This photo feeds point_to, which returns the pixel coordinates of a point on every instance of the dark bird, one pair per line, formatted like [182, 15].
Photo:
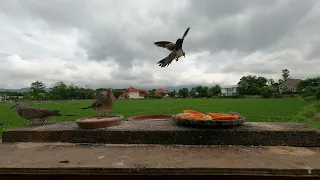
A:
[175, 48]
[103, 104]
[36, 114]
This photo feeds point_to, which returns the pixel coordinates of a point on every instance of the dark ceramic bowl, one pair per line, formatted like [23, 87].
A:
[150, 117]
[92, 122]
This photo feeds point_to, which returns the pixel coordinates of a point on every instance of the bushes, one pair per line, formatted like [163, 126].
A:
[309, 115]
[277, 95]
[310, 98]
[269, 91]
[311, 93]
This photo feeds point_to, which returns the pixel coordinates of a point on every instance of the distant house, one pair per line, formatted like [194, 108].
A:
[124, 95]
[146, 92]
[1, 98]
[229, 90]
[289, 85]
[131, 93]
[162, 91]
[141, 95]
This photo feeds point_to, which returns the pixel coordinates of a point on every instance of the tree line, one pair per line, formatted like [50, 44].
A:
[247, 85]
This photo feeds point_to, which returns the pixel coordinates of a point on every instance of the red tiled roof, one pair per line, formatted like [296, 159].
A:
[145, 91]
[124, 94]
[141, 95]
[132, 89]
[160, 91]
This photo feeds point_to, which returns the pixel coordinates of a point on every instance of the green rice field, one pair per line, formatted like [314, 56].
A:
[267, 110]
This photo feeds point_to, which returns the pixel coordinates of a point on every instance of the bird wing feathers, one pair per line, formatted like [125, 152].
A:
[34, 112]
[167, 60]
[185, 33]
[97, 103]
[165, 44]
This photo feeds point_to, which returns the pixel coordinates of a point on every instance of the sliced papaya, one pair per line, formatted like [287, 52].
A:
[185, 115]
[192, 111]
[196, 117]
[215, 114]
[225, 117]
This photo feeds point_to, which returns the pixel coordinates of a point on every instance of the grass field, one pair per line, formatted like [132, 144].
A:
[270, 110]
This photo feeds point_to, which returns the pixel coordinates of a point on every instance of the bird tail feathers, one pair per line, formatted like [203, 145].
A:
[162, 63]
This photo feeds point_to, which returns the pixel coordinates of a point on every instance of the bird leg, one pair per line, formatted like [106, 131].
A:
[35, 122]
[105, 114]
[99, 117]
[43, 120]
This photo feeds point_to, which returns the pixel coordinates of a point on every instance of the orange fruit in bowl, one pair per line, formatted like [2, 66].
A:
[192, 111]
[222, 116]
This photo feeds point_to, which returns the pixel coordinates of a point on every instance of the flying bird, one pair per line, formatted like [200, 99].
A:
[175, 48]
[103, 104]
[36, 114]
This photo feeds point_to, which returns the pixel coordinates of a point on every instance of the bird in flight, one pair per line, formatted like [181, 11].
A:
[175, 48]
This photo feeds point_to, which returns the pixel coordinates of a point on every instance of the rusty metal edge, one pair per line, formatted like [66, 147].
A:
[164, 171]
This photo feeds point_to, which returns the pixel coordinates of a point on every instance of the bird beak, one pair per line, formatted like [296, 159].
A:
[13, 106]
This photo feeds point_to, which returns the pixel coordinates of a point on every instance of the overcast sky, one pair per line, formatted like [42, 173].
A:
[109, 43]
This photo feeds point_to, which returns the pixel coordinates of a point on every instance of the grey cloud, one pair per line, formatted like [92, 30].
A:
[254, 68]
[271, 21]
[124, 31]
[264, 28]
[314, 53]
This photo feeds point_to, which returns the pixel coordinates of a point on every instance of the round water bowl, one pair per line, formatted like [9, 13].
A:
[150, 117]
[93, 122]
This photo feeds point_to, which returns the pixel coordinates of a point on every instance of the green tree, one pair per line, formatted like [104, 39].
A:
[251, 85]
[202, 91]
[214, 91]
[285, 74]
[37, 88]
[267, 91]
[59, 91]
[183, 92]
[193, 92]
[173, 93]
[118, 92]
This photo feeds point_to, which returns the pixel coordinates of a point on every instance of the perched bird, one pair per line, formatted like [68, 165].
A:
[36, 114]
[175, 48]
[103, 104]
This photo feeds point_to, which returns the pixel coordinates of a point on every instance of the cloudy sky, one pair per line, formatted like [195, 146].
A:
[109, 43]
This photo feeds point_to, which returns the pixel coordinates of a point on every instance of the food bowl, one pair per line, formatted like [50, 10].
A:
[210, 123]
[150, 117]
[93, 122]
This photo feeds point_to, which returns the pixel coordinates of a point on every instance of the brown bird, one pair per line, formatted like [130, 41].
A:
[36, 114]
[176, 49]
[103, 104]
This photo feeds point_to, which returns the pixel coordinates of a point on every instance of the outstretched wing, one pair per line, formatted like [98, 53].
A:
[179, 41]
[167, 60]
[165, 44]
[185, 33]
